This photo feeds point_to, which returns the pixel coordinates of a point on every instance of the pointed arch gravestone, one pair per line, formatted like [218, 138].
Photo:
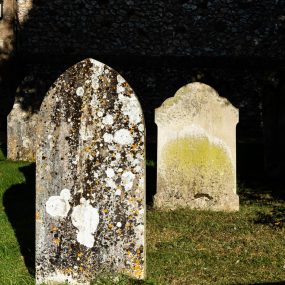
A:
[196, 160]
[90, 183]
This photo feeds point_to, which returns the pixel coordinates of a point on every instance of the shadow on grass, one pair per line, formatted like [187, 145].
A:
[260, 192]
[275, 219]
[150, 173]
[267, 283]
[19, 203]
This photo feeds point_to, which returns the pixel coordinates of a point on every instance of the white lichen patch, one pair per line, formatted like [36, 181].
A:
[128, 180]
[58, 206]
[141, 127]
[120, 87]
[99, 114]
[131, 108]
[86, 219]
[108, 120]
[110, 172]
[139, 232]
[80, 91]
[123, 137]
[110, 183]
[98, 69]
[94, 102]
[108, 138]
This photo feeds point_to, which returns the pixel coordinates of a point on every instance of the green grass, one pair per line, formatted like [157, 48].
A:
[183, 247]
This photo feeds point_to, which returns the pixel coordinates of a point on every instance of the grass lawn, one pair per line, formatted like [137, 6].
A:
[183, 247]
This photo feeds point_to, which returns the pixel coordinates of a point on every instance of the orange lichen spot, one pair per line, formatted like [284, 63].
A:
[38, 217]
[54, 229]
[110, 226]
[79, 254]
[134, 146]
[67, 270]
[88, 148]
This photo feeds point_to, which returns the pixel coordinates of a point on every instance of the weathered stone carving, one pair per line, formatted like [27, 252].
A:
[90, 197]
[196, 160]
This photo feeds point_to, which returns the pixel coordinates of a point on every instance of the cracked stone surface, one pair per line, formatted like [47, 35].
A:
[90, 182]
[196, 160]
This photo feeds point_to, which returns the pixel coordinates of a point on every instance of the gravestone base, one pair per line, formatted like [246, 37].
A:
[202, 201]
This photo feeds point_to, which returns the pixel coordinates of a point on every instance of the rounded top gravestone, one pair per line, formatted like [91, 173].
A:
[196, 150]
[90, 184]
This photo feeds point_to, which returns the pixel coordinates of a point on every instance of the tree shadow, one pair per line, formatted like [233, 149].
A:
[19, 203]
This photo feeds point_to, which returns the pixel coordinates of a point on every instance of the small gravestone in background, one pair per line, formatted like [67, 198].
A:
[90, 184]
[196, 160]
[22, 121]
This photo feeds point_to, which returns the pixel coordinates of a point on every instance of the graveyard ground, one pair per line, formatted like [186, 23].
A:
[183, 247]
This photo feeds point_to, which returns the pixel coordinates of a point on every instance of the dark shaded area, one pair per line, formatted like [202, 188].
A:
[3, 149]
[237, 47]
[250, 162]
[19, 203]
[150, 172]
[265, 283]
[275, 219]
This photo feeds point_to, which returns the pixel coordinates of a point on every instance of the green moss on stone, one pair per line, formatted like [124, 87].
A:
[199, 164]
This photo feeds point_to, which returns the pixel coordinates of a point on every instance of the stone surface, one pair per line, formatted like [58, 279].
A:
[21, 134]
[90, 183]
[196, 160]
[22, 121]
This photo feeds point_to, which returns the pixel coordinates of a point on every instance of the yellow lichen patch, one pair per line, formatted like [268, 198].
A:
[198, 165]
[56, 241]
[137, 269]
[67, 270]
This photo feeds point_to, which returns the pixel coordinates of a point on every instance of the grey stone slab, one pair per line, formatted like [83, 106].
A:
[90, 182]
[196, 160]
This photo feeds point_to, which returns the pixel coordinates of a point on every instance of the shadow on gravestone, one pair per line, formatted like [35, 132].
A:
[90, 197]
[19, 203]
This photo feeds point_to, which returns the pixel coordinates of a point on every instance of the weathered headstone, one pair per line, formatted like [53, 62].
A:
[196, 160]
[90, 184]
[22, 122]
